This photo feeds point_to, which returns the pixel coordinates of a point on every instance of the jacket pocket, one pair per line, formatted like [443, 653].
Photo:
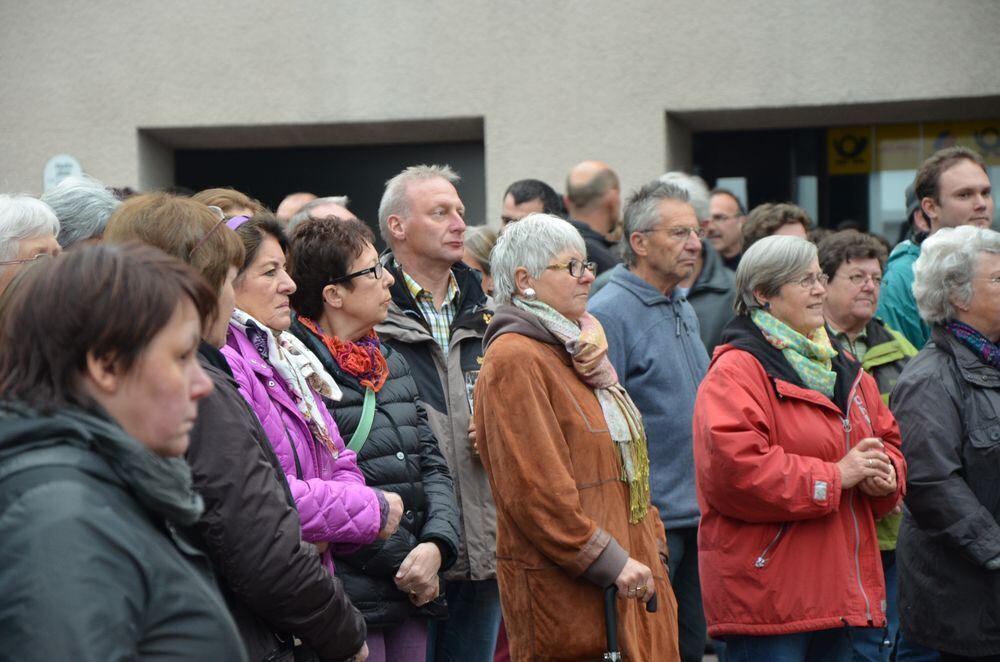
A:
[767, 552]
[986, 437]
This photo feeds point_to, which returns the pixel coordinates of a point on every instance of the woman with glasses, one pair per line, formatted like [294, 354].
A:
[947, 402]
[853, 262]
[285, 385]
[28, 230]
[565, 451]
[796, 457]
[342, 293]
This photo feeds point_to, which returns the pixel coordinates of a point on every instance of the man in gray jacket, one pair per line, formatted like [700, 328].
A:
[437, 318]
[654, 345]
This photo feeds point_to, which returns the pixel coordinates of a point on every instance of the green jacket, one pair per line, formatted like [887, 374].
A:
[94, 566]
[888, 352]
[896, 306]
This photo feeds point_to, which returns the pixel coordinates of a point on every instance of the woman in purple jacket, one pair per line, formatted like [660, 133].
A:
[284, 384]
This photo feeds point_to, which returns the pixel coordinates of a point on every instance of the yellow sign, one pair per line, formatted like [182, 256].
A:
[898, 147]
[849, 150]
[982, 136]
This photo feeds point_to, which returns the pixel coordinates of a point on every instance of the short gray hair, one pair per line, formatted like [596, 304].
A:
[944, 270]
[395, 201]
[767, 265]
[83, 205]
[696, 188]
[23, 217]
[531, 243]
[642, 212]
[305, 213]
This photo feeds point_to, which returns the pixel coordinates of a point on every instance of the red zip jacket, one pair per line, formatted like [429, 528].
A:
[782, 547]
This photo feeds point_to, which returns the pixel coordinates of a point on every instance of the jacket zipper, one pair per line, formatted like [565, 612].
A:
[762, 559]
[854, 516]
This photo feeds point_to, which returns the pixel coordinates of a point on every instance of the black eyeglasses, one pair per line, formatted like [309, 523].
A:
[377, 270]
[26, 260]
[575, 267]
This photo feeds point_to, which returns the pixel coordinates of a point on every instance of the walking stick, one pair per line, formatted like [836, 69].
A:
[613, 653]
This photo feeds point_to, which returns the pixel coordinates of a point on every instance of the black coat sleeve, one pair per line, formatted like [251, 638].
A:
[930, 412]
[253, 534]
[441, 523]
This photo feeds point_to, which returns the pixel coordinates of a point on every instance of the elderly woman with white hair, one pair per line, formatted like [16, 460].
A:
[83, 206]
[796, 456]
[947, 402]
[28, 229]
[565, 451]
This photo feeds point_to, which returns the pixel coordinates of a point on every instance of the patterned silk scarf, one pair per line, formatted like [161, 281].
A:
[362, 359]
[811, 356]
[588, 347]
[298, 368]
[988, 351]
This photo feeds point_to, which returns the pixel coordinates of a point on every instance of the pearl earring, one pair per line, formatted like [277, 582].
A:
[529, 294]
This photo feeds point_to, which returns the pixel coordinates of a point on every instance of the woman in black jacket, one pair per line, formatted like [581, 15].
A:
[947, 402]
[342, 293]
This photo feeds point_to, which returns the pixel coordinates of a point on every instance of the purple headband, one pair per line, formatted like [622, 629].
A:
[236, 221]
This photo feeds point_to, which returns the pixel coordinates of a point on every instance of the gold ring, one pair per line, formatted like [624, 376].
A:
[641, 590]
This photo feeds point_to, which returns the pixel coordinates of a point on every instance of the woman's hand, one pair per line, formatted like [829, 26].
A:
[395, 513]
[866, 460]
[472, 438]
[876, 486]
[417, 574]
[362, 654]
[635, 581]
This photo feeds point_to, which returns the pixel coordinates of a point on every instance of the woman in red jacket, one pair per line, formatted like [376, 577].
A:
[796, 457]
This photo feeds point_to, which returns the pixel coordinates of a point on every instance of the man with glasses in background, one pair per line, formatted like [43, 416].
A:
[854, 262]
[28, 230]
[655, 347]
[724, 226]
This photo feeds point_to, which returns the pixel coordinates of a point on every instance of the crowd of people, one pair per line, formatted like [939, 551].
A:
[228, 433]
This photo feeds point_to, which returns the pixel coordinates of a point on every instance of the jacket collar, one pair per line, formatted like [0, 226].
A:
[649, 295]
[714, 276]
[213, 357]
[970, 366]
[80, 438]
[742, 333]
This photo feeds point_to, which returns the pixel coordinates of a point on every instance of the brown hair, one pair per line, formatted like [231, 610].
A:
[929, 175]
[764, 220]
[321, 250]
[104, 300]
[839, 247]
[229, 200]
[253, 232]
[181, 227]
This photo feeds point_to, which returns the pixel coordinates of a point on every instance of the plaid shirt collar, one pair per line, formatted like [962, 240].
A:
[439, 321]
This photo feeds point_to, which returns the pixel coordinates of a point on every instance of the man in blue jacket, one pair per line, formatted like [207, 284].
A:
[654, 345]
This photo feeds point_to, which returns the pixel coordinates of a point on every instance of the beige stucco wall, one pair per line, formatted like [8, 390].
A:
[554, 81]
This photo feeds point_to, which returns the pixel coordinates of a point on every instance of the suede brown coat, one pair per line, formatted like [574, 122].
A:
[562, 510]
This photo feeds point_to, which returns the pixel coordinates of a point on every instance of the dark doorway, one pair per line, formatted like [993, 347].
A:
[772, 160]
[358, 171]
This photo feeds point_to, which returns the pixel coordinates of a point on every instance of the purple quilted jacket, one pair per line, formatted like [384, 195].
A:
[334, 504]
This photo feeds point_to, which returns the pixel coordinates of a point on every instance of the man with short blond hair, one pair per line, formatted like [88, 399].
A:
[437, 318]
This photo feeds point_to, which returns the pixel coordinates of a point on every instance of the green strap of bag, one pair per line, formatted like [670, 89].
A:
[360, 435]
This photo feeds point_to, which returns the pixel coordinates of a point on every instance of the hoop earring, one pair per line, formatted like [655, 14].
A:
[529, 294]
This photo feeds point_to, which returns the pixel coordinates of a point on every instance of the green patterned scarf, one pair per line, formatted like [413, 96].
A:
[588, 347]
[811, 356]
